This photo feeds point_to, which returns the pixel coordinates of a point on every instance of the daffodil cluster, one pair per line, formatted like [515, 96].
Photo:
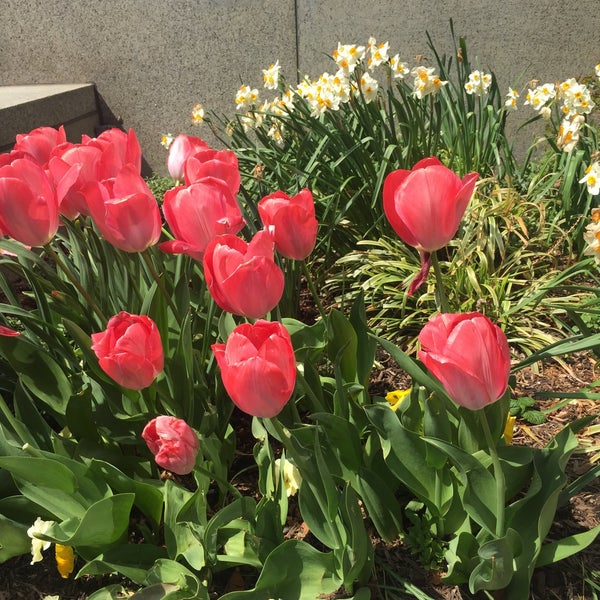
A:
[353, 79]
[591, 236]
[478, 83]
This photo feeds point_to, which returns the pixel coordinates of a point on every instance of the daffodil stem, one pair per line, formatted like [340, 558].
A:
[440, 292]
[159, 281]
[59, 263]
[313, 290]
[498, 475]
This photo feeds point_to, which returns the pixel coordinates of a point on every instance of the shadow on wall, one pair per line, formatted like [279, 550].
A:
[108, 120]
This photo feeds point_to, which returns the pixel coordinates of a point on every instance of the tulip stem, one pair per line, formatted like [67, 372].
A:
[440, 293]
[498, 475]
[59, 263]
[159, 281]
[313, 290]
[222, 482]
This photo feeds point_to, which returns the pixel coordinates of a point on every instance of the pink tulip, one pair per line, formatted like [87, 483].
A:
[292, 222]
[28, 204]
[40, 142]
[469, 355]
[182, 147]
[243, 278]
[198, 213]
[258, 367]
[425, 206]
[173, 442]
[118, 149]
[8, 332]
[73, 167]
[222, 164]
[125, 211]
[130, 350]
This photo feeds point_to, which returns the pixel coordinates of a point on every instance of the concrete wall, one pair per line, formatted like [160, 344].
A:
[152, 60]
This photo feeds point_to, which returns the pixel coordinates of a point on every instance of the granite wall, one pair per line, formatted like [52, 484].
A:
[152, 60]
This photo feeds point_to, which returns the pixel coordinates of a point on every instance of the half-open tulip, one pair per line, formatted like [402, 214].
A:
[181, 148]
[291, 221]
[130, 350]
[258, 367]
[118, 149]
[243, 278]
[198, 213]
[207, 162]
[40, 142]
[125, 211]
[28, 203]
[469, 355]
[425, 206]
[173, 442]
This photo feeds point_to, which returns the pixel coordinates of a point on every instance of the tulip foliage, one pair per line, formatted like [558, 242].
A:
[155, 338]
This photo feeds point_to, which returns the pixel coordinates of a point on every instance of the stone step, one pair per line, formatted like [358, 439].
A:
[25, 107]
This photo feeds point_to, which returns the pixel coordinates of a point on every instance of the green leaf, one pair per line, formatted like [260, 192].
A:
[342, 345]
[38, 371]
[14, 540]
[555, 551]
[103, 524]
[294, 571]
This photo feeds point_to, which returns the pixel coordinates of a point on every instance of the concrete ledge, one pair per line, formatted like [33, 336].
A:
[25, 107]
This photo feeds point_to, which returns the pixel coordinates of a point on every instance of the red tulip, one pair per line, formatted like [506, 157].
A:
[425, 206]
[28, 204]
[40, 142]
[125, 211]
[222, 164]
[469, 355]
[173, 442]
[73, 167]
[258, 367]
[243, 278]
[182, 147]
[292, 222]
[8, 332]
[130, 350]
[198, 213]
[118, 149]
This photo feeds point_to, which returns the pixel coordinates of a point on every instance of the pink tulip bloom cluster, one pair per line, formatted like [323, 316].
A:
[45, 177]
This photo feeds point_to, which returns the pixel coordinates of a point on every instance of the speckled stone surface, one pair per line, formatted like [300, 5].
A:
[152, 60]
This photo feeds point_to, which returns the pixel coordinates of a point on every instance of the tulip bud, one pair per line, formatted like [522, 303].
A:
[258, 367]
[469, 355]
[292, 221]
[173, 442]
[181, 148]
[130, 350]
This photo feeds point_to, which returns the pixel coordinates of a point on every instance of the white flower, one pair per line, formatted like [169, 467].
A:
[291, 477]
[511, 99]
[368, 87]
[546, 113]
[576, 98]
[348, 56]
[426, 81]
[591, 236]
[540, 95]
[271, 76]
[166, 139]
[399, 69]
[379, 53]
[275, 133]
[198, 114]
[37, 545]
[478, 83]
[246, 97]
[592, 178]
[568, 132]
